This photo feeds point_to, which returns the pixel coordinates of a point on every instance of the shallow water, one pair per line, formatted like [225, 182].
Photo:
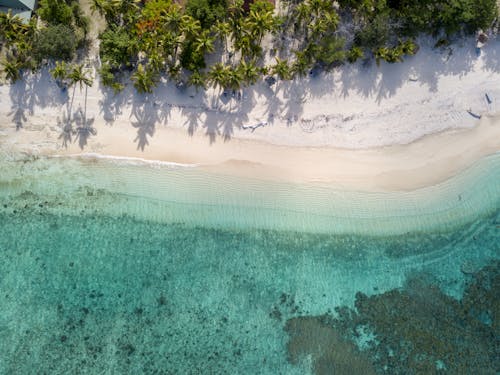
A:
[148, 269]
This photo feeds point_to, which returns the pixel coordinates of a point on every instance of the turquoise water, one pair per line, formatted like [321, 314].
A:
[113, 269]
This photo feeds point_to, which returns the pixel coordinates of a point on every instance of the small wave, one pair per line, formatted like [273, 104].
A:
[128, 160]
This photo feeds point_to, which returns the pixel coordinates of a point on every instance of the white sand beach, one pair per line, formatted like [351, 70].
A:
[393, 127]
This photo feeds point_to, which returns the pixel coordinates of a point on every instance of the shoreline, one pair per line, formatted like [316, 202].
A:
[424, 162]
[390, 133]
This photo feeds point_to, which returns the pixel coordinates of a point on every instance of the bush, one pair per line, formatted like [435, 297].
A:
[375, 33]
[55, 12]
[56, 42]
[190, 59]
[115, 46]
[109, 79]
[331, 51]
[207, 11]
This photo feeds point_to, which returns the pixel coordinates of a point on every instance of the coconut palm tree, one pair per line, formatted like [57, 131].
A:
[223, 30]
[60, 72]
[174, 71]
[281, 69]
[171, 42]
[197, 79]
[249, 72]
[173, 17]
[190, 26]
[204, 43]
[301, 64]
[98, 6]
[219, 75]
[259, 22]
[302, 13]
[78, 75]
[318, 27]
[12, 69]
[144, 79]
[11, 26]
[234, 78]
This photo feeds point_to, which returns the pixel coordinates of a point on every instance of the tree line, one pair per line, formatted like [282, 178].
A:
[231, 43]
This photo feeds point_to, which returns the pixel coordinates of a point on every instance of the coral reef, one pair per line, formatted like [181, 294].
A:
[415, 330]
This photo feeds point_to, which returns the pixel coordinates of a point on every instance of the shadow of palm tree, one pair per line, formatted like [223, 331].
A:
[84, 129]
[33, 90]
[145, 120]
[67, 131]
[18, 117]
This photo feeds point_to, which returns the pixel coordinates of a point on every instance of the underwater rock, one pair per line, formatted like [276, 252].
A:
[330, 354]
[416, 330]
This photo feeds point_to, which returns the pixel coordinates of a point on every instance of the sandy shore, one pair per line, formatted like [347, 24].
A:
[397, 127]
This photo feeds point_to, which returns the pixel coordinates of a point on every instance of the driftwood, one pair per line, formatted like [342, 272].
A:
[253, 127]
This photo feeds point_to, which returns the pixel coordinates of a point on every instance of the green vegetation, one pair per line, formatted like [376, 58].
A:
[54, 42]
[227, 44]
[62, 30]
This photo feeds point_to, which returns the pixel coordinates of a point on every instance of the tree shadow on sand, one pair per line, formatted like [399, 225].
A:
[145, 119]
[219, 115]
[78, 128]
[31, 91]
[84, 129]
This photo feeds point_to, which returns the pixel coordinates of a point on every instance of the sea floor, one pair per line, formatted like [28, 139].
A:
[89, 291]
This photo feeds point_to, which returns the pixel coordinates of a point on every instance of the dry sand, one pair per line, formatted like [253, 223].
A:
[397, 127]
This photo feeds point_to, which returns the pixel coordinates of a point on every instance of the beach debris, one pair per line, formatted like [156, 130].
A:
[469, 111]
[488, 98]
[253, 127]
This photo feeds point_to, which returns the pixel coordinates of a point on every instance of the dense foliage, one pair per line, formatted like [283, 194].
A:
[55, 42]
[63, 29]
[232, 43]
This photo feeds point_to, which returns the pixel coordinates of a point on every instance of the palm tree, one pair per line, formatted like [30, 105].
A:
[155, 60]
[173, 17]
[303, 13]
[259, 23]
[197, 79]
[301, 64]
[60, 72]
[234, 78]
[79, 75]
[174, 71]
[98, 6]
[219, 75]
[12, 69]
[204, 43]
[249, 72]
[223, 30]
[171, 43]
[11, 26]
[144, 79]
[190, 26]
[331, 19]
[318, 27]
[281, 69]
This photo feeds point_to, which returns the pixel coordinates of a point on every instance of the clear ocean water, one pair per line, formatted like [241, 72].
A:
[132, 268]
